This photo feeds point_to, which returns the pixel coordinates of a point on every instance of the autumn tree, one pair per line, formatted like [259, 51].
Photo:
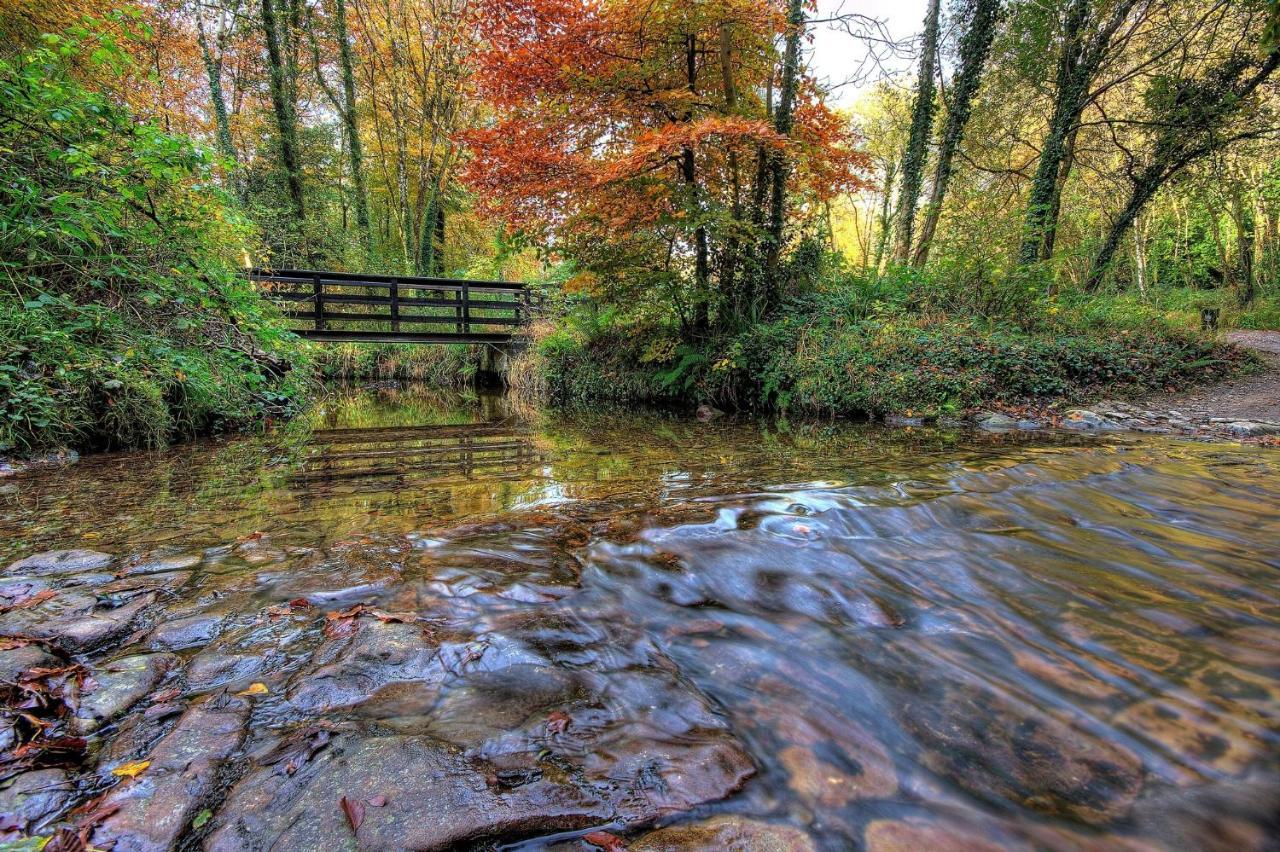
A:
[624, 134]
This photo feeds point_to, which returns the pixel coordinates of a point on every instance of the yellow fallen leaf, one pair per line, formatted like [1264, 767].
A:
[132, 769]
[255, 689]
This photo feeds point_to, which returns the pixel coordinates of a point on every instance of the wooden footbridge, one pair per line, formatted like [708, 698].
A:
[349, 306]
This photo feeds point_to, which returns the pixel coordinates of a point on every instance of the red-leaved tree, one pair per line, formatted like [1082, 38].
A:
[641, 139]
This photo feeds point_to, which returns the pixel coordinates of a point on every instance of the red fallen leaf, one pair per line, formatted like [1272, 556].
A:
[558, 722]
[354, 810]
[377, 801]
[166, 695]
[606, 841]
[300, 603]
[9, 643]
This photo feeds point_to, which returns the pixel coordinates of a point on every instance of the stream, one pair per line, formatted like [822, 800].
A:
[417, 621]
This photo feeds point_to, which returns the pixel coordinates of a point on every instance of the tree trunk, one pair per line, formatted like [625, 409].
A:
[729, 265]
[1242, 213]
[917, 150]
[355, 151]
[213, 69]
[975, 46]
[286, 119]
[783, 122]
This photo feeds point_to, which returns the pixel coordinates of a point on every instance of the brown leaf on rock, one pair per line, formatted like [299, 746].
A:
[606, 841]
[377, 801]
[354, 810]
[558, 722]
[166, 695]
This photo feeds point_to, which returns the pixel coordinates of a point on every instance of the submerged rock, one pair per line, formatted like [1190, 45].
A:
[920, 835]
[119, 685]
[437, 795]
[729, 832]
[1002, 750]
[150, 812]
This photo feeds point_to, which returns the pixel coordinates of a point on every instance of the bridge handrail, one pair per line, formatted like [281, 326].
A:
[421, 282]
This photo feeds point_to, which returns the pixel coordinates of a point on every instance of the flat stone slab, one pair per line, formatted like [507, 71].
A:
[726, 832]
[53, 562]
[120, 684]
[435, 795]
[32, 797]
[150, 812]
[75, 620]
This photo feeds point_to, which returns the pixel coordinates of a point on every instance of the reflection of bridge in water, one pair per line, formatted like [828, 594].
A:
[354, 455]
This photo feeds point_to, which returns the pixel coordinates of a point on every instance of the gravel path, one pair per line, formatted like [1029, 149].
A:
[1254, 397]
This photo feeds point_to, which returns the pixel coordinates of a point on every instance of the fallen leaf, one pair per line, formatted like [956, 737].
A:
[201, 818]
[132, 769]
[354, 809]
[558, 722]
[377, 801]
[606, 841]
[166, 695]
[255, 689]
[300, 603]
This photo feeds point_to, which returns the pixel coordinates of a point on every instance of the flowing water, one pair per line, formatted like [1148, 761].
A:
[812, 636]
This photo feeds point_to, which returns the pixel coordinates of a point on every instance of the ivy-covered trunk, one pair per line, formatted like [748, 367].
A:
[283, 107]
[913, 159]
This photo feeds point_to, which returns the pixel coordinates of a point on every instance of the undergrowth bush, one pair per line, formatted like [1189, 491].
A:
[124, 320]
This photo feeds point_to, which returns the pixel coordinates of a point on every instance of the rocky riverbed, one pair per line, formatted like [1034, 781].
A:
[647, 635]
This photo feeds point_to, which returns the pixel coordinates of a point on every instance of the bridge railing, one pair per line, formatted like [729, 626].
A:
[361, 306]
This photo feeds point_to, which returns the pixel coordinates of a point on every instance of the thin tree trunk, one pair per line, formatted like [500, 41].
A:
[975, 46]
[355, 151]
[917, 150]
[728, 267]
[213, 69]
[286, 119]
[783, 122]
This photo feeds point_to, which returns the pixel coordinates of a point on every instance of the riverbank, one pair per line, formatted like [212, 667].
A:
[913, 368]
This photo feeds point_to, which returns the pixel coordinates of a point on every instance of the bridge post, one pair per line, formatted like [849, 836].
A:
[318, 289]
[394, 289]
[466, 308]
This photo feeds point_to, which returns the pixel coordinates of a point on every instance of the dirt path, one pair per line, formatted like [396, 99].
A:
[1254, 397]
[1247, 407]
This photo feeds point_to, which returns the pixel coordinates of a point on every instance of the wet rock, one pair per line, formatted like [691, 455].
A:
[28, 799]
[189, 632]
[899, 420]
[1008, 751]
[1198, 744]
[75, 620]
[352, 670]
[918, 835]
[61, 562]
[1029, 425]
[120, 684]
[729, 832]
[161, 565]
[1252, 428]
[15, 661]
[707, 412]
[438, 797]
[993, 421]
[150, 812]
[1088, 421]
[214, 670]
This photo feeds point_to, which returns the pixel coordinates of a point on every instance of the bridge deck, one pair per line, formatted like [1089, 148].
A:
[345, 306]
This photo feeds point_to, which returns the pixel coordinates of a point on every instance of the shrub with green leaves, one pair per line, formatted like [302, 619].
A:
[124, 320]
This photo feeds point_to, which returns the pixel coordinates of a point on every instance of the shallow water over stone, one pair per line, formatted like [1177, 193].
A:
[415, 622]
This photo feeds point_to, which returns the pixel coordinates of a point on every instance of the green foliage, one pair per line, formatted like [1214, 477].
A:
[452, 366]
[123, 318]
[884, 344]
